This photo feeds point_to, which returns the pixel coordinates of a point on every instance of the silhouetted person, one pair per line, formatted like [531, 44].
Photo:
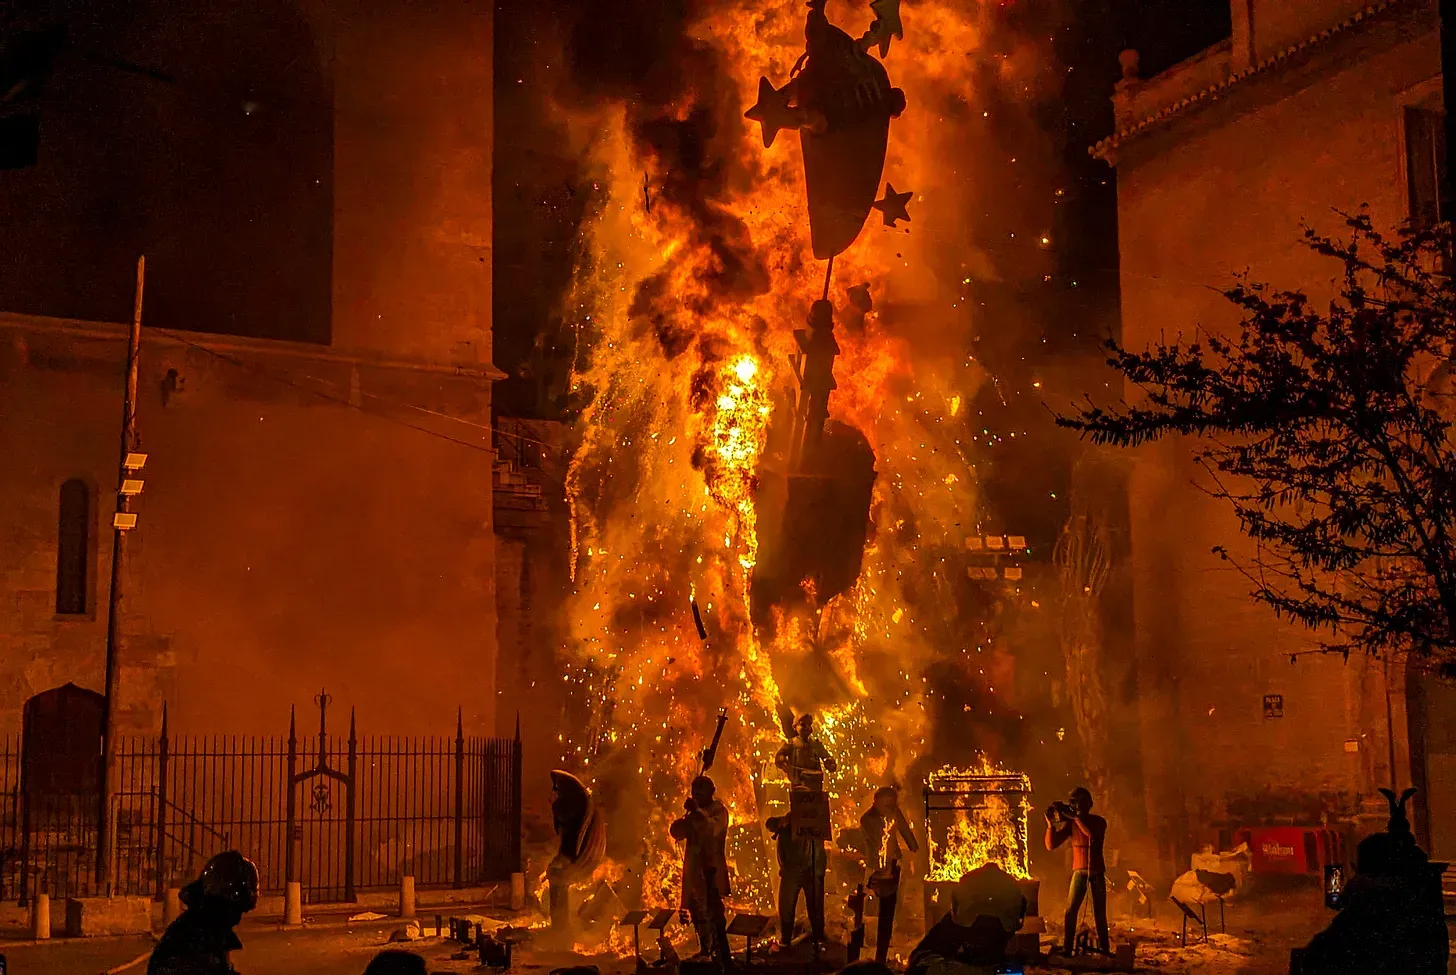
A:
[1073, 820]
[802, 864]
[987, 908]
[817, 383]
[703, 829]
[200, 941]
[803, 758]
[884, 825]
[396, 962]
[1391, 914]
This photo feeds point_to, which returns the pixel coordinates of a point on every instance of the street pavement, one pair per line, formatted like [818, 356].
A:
[325, 951]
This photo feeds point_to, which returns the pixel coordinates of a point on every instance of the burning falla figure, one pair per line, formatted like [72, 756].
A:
[803, 758]
[814, 368]
[583, 835]
[840, 99]
[884, 827]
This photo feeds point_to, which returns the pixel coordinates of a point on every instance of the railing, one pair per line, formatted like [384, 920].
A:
[443, 809]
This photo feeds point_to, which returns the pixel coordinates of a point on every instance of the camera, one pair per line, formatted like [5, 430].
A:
[1061, 810]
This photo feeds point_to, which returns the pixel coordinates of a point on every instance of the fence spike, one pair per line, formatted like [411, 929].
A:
[518, 727]
[459, 721]
[164, 721]
[292, 726]
[351, 723]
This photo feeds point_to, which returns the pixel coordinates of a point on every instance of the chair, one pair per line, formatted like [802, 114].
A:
[1190, 915]
[1220, 885]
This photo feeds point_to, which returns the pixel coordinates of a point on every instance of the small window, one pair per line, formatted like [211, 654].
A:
[73, 549]
[1425, 154]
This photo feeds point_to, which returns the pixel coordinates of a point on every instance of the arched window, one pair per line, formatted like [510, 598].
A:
[73, 548]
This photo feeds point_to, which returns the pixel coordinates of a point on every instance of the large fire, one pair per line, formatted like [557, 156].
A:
[988, 825]
[696, 272]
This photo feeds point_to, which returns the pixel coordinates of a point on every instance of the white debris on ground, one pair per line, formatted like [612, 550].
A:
[1222, 954]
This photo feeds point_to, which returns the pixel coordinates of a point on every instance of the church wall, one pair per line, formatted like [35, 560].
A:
[298, 531]
[314, 171]
[413, 128]
[1228, 189]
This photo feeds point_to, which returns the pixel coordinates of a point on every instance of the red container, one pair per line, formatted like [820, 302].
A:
[1290, 849]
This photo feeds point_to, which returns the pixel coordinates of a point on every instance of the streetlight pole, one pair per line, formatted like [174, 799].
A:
[121, 522]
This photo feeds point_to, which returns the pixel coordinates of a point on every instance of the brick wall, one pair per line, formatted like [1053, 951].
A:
[302, 526]
[1227, 189]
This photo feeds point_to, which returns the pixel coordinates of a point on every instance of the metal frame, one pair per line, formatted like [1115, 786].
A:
[447, 808]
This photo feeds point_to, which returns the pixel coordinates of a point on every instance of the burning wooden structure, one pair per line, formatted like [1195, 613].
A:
[973, 817]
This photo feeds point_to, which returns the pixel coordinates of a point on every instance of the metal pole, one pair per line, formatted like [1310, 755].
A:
[459, 797]
[349, 819]
[105, 828]
[289, 841]
[517, 861]
[163, 753]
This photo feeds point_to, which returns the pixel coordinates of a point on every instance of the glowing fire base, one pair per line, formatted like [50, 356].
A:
[973, 818]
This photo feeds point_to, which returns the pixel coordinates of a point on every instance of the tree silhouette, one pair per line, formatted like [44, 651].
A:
[1329, 432]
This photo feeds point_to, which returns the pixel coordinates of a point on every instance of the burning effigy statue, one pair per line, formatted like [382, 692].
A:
[581, 832]
[814, 499]
[839, 97]
[769, 489]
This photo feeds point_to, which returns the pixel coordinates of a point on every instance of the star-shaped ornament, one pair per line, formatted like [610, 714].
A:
[892, 205]
[772, 112]
[887, 24]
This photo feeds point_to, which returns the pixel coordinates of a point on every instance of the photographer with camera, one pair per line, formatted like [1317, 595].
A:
[1073, 820]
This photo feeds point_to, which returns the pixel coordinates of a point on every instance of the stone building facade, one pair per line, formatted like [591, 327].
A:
[1310, 107]
[311, 183]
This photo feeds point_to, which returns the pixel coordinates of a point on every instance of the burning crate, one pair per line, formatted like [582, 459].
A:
[974, 817]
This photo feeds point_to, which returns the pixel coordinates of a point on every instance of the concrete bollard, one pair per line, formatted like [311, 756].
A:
[518, 892]
[406, 897]
[171, 906]
[293, 903]
[40, 917]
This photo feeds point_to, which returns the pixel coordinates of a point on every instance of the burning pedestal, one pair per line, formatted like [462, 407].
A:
[973, 818]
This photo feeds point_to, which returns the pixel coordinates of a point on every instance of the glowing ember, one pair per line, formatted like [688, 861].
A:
[739, 430]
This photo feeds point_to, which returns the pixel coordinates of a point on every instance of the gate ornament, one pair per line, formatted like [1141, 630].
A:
[320, 802]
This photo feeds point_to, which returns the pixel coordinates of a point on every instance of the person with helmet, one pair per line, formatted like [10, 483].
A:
[804, 759]
[703, 829]
[200, 941]
[1073, 820]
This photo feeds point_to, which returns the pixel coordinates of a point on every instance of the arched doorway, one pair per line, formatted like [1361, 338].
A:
[60, 767]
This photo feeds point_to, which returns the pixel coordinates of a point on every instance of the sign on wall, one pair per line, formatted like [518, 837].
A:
[1273, 705]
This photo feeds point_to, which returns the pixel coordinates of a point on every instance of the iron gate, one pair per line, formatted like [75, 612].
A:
[443, 809]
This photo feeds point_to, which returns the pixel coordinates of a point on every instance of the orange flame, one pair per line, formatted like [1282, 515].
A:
[682, 382]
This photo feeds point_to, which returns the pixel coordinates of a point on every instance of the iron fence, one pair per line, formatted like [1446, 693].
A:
[445, 810]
